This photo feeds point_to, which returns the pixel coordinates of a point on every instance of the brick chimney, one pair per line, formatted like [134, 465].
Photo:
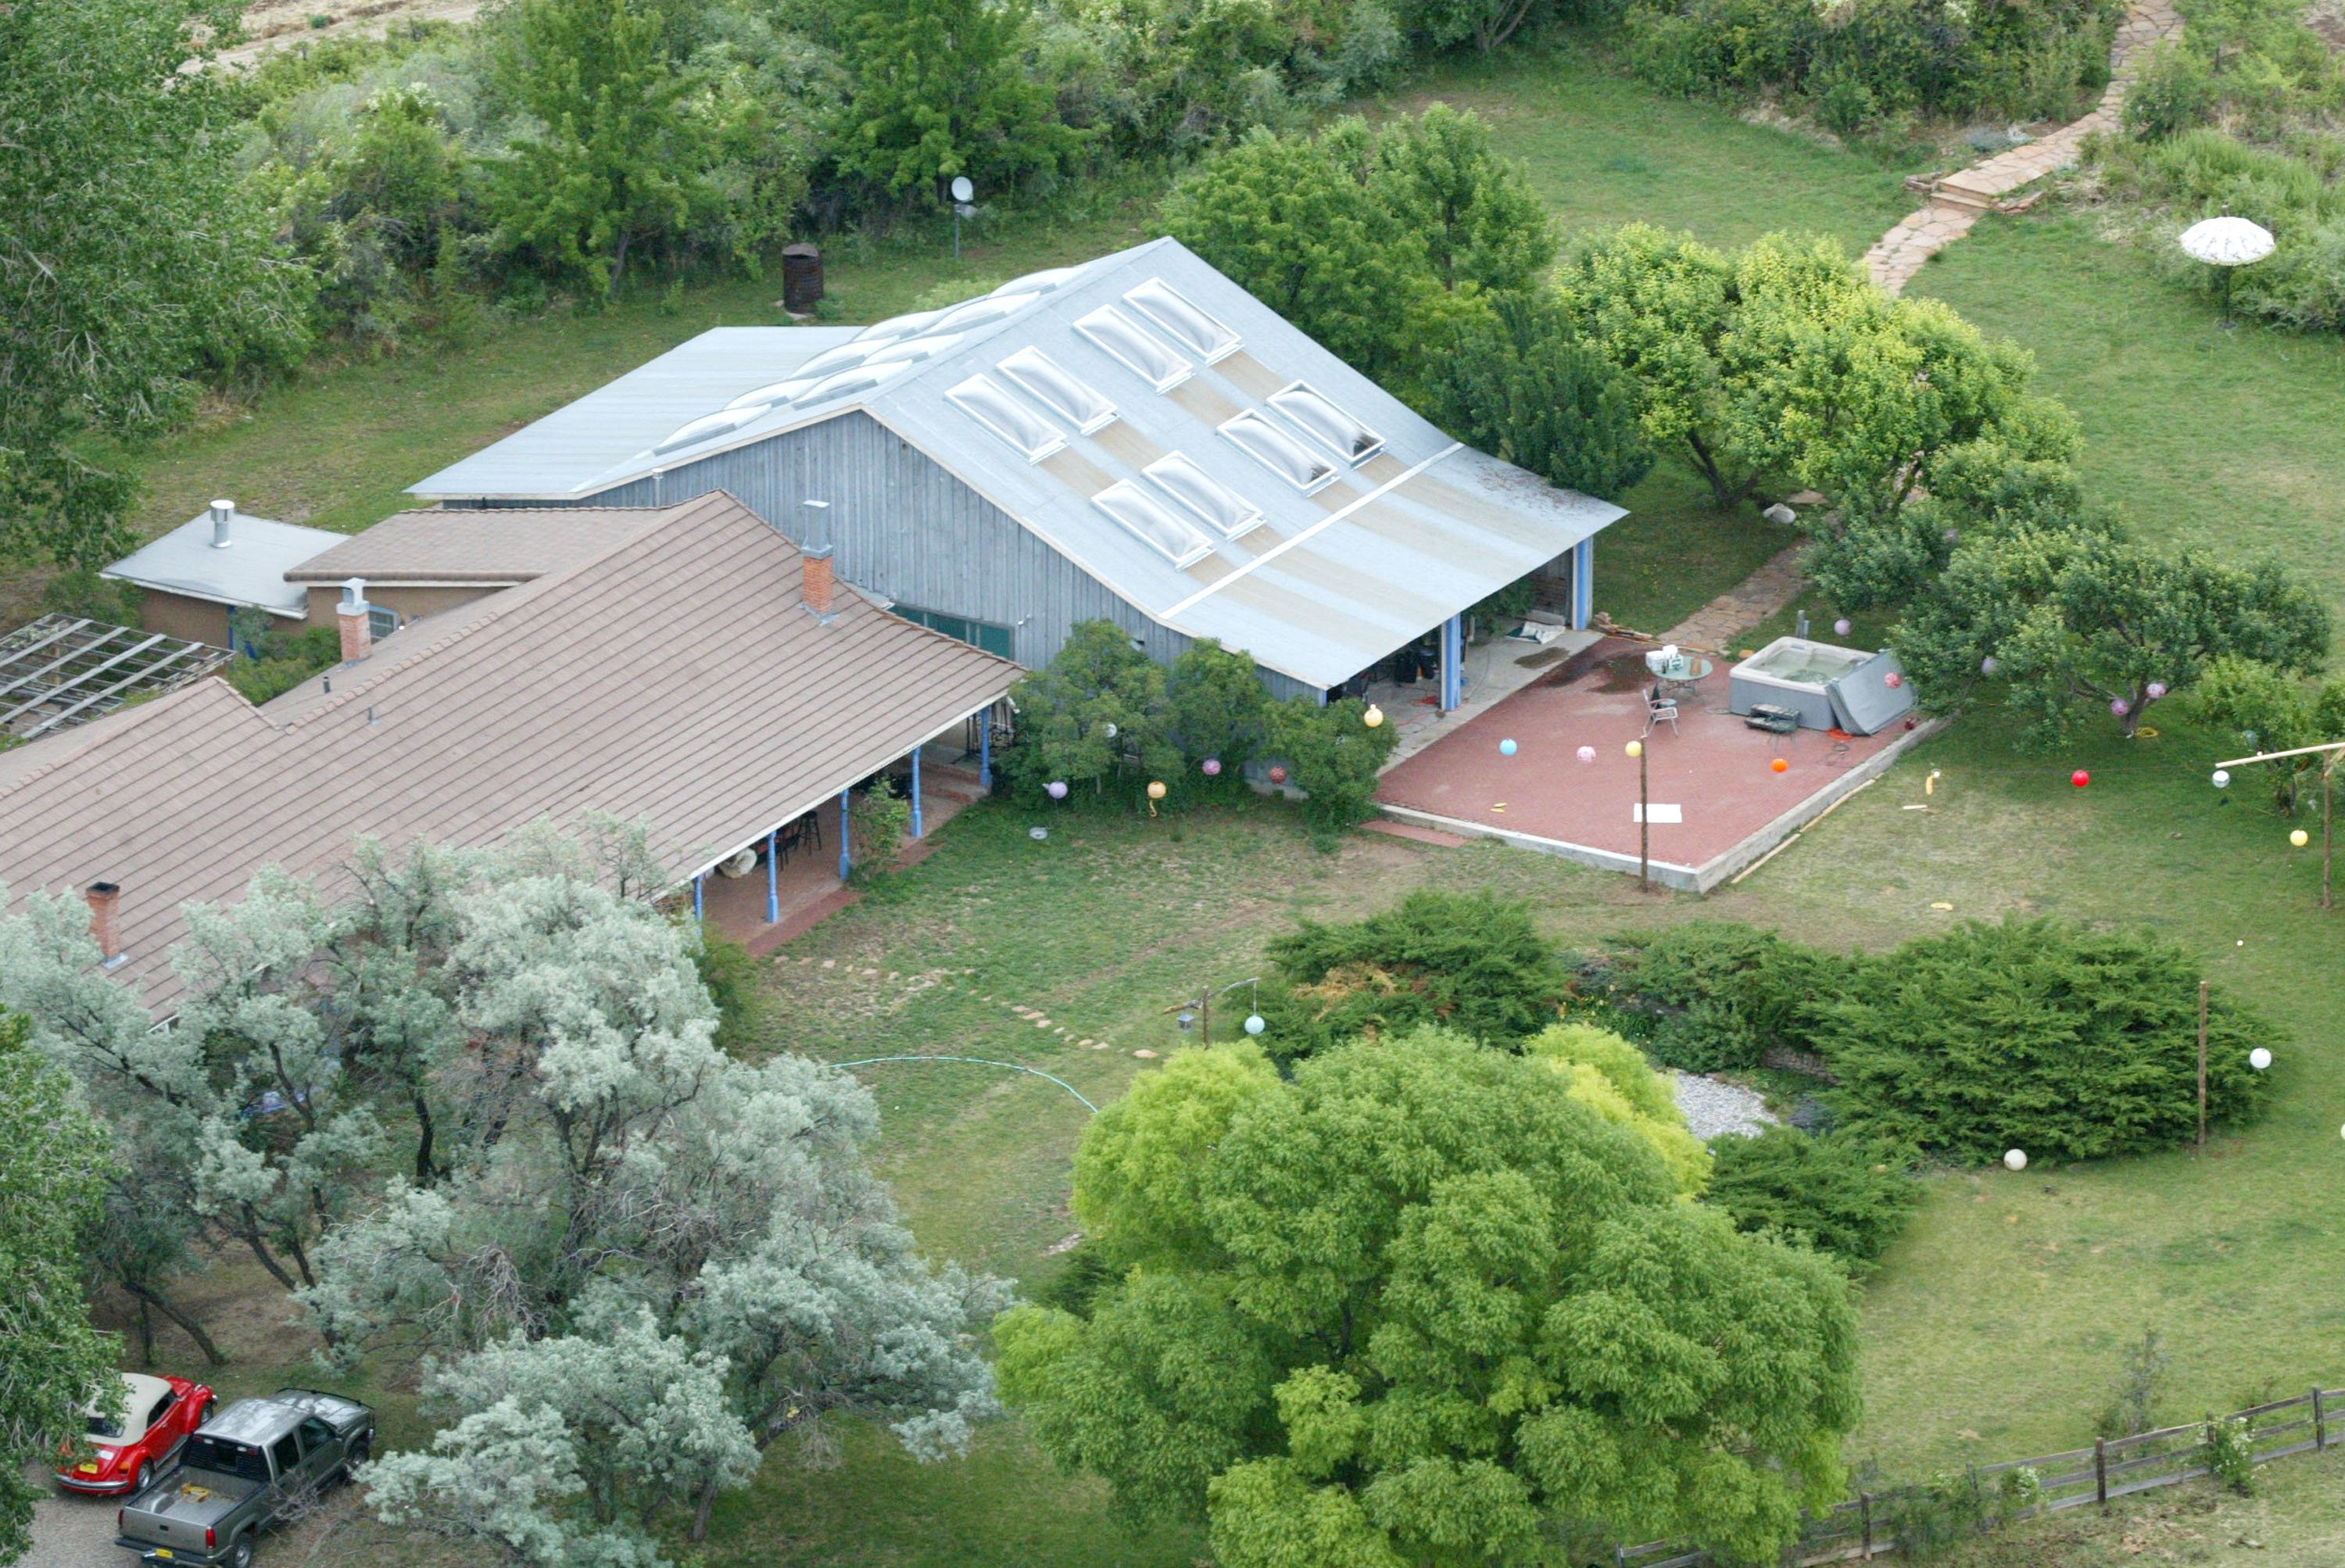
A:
[223, 514]
[105, 909]
[818, 580]
[350, 614]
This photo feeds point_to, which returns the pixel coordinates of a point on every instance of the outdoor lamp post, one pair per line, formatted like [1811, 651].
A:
[963, 195]
[2329, 751]
[1200, 1008]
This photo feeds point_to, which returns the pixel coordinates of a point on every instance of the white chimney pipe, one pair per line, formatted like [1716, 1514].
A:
[222, 510]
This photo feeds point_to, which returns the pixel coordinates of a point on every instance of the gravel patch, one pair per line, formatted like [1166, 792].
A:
[1715, 1110]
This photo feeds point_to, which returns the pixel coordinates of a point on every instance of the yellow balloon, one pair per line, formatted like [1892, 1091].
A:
[1374, 716]
[1156, 790]
[2299, 837]
[1636, 749]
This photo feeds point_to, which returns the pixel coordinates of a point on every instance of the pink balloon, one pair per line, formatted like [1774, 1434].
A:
[1840, 627]
[2120, 707]
[1892, 680]
[1587, 754]
[1212, 768]
[1278, 774]
[2156, 689]
[1055, 789]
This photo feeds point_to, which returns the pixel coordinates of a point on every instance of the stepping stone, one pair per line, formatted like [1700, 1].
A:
[1146, 1054]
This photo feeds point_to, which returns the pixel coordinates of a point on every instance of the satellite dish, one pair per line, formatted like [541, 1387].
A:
[962, 190]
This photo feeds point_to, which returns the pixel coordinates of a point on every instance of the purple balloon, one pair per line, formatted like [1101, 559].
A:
[1587, 754]
[1840, 627]
[1056, 789]
[1212, 768]
[2156, 690]
[2120, 707]
[1987, 665]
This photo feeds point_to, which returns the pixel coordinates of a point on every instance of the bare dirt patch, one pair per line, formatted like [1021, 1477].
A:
[274, 23]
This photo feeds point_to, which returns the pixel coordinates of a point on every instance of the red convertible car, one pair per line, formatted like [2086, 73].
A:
[131, 1449]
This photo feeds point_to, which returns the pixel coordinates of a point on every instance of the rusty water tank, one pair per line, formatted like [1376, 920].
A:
[801, 277]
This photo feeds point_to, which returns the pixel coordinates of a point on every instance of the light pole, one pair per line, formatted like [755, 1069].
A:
[1203, 1004]
[2329, 752]
[1644, 818]
[963, 194]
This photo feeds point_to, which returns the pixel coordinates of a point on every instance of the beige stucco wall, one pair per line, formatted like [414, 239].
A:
[177, 615]
[412, 603]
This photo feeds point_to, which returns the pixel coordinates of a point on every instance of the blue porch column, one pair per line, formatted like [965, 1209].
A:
[696, 894]
[845, 864]
[1452, 662]
[917, 832]
[985, 751]
[774, 876]
[1583, 582]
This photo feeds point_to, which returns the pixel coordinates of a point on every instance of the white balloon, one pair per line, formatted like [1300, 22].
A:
[2259, 1058]
[1254, 1026]
[2222, 778]
[2015, 1160]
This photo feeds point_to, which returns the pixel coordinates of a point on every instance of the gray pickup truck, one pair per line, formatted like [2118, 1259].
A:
[251, 1464]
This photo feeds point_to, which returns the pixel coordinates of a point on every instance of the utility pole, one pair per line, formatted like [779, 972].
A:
[2202, 1067]
[1644, 817]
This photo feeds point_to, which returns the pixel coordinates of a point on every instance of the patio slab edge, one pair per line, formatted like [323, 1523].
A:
[1682, 877]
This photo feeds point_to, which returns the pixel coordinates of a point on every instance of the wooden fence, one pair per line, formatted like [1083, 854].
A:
[1988, 1496]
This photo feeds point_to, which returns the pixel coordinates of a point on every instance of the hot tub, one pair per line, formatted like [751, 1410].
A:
[1830, 688]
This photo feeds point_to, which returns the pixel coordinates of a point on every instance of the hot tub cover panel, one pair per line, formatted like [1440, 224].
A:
[1863, 700]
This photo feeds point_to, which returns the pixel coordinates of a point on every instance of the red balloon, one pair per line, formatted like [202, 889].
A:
[1278, 774]
[2080, 779]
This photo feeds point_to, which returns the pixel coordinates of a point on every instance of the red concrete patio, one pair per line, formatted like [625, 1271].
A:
[1715, 769]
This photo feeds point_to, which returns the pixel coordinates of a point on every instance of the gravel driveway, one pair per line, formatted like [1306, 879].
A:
[1714, 1109]
[78, 1532]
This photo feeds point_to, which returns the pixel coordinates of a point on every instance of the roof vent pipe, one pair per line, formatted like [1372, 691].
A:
[352, 617]
[222, 512]
[816, 584]
[105, 928]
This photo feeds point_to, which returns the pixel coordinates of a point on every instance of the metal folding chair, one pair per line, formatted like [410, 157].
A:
[1659, 709]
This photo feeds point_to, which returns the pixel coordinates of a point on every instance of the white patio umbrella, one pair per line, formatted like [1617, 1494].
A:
[2226, 242]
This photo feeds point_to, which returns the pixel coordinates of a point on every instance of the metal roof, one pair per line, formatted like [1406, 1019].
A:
[248, 570]
[1396, 527]
[677, 679]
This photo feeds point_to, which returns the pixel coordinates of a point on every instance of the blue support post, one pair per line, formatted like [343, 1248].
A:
[697, 912]
[1453, 663]
[1583, 582]
[917, 831]
[774, 877]
[985, 751]
[845, 864]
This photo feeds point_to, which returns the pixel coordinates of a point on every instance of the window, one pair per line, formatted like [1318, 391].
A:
[843, 357]
[1201, 492]
[1176, 539]
[925, 346]
[772, 392]
[315, 1435]
[862, 378]
[1341, 434]
[1121, 336]
[896, 327]
[714, 424]
[381, 623]
[1182, 321]
[982, 634]
[1071, 400]
[981, 310]
[285, 1455]
[991, 404]
[222, 1456]
[1041, 282]
[1279, 451]
[163, 1403]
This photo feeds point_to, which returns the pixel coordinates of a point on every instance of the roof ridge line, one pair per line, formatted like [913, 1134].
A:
[674, 514]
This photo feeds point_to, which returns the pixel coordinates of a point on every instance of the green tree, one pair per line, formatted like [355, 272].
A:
[1097, 710]
[1659, 306]
[1612, 1078]
[941, 89]
[1486, 22]
[54, 1169]
[1842, 1191]
[1216, 706]
[2271, 709]
[1481, 223]
[1519, 384]
[133, 261]
[1422, 1305]
[2076, 616]
[1334, 758]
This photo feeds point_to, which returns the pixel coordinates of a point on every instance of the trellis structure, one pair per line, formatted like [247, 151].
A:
[61, 670]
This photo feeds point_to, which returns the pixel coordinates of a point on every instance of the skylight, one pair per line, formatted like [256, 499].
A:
[1342, 435]
[832, 361]
[925, 346]
[1041, 282]
[777, 391]
[894, 327]
[978, 312]
[1203, 494]
[1182, 321]
[992, 405]
[709, 426]
[1176, 539]
[1074, 401]
[1121, 336]
[1279, 451]
[862, 378]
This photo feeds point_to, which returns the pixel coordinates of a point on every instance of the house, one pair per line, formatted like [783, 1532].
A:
[417, 564]
[696, 671]
[1136, 439]
[192, 579]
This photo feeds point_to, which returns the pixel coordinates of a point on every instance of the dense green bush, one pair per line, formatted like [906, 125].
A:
[2034, 1034]
[275, 658]
[1096, 715]
[1333, 758]
[1710, 995]
[1474, 963]
[1842, 1191]
[1863, 63]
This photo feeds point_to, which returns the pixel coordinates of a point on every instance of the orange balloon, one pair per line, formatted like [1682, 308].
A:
[1780, 765]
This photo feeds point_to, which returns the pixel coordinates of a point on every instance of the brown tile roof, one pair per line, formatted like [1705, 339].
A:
[675, 677]
[475, 545]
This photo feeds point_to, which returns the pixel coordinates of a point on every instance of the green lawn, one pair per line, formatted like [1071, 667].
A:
[2230, 439]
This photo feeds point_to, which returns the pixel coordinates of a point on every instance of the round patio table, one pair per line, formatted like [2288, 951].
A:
[1677, 685]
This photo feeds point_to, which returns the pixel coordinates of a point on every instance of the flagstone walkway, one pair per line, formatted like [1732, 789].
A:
[1962, 199]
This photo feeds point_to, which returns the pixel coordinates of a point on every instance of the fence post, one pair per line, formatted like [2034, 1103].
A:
[1619, 1557]
[2101, 1472]
[1864, 1515]
[2319, 1424]
[1979, 1503]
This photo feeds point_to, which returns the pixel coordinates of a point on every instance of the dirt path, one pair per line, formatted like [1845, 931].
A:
[1962, 199]
[273, 24]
